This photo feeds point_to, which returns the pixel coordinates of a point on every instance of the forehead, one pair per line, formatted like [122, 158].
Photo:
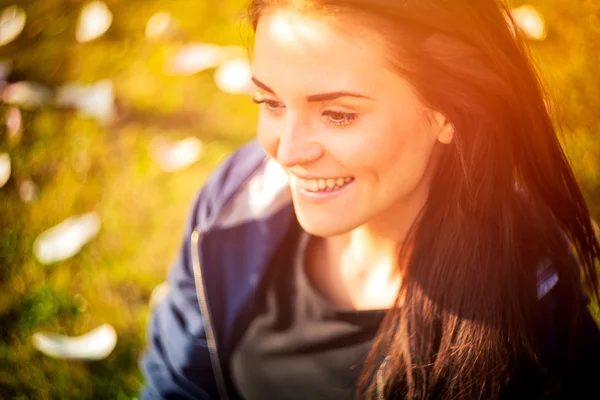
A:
[290, 49]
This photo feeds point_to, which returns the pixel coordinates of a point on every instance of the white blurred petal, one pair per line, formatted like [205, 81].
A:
[530, 21]
[160, 25]
[94, 21]
[234, 76]
[173, 156]
[14, 124]
[194, 58]
[12, 22]
[26, 94]
[96, 100]
[4, 168]
[158, 294]
[67, 238]
[94, 345]
[28, 191]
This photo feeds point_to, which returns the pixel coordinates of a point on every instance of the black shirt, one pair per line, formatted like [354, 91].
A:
[299, 345]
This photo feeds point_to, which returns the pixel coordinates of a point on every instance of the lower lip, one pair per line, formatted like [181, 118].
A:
[315, 196]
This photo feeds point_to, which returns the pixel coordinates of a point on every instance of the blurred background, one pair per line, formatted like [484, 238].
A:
[112, 114]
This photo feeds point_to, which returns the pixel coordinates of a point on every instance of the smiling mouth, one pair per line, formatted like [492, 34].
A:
[323, 185]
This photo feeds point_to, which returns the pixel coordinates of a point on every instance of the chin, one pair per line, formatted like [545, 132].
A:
[324, 227]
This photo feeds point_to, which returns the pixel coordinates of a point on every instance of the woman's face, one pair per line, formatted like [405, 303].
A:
[354, 138]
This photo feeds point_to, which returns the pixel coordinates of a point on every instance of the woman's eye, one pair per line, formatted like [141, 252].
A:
[271, 105]
[338, 119]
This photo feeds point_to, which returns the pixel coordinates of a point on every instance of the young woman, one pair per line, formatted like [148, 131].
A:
[406, 227]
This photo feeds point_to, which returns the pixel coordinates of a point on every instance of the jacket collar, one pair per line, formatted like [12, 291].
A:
[244, 214]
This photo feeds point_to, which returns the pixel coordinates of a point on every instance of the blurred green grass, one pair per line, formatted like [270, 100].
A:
[80, 166]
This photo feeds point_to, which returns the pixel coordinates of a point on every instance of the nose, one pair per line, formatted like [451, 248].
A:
[296, 145]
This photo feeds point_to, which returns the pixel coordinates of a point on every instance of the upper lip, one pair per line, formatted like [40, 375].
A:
[314, 177]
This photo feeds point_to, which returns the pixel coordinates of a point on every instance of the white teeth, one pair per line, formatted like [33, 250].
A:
[315, 185]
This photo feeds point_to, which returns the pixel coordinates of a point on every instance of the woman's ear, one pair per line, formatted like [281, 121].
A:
[443, 127]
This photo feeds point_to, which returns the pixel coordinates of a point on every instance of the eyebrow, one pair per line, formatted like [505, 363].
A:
[313, 98]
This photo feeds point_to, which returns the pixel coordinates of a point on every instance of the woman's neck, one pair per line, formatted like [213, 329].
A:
[356, 270]
[362, 268]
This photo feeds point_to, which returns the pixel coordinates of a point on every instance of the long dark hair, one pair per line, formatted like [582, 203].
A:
[503, 204]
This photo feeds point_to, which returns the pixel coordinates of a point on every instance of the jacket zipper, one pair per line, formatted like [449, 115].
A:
[210, 334]
[208, 327]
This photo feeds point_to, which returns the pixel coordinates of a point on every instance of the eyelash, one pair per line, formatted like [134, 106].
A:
[268, 103]
[347, 118]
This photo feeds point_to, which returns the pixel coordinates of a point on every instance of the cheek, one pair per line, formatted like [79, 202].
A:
[378, 147]
[266, 136]
[400, 150]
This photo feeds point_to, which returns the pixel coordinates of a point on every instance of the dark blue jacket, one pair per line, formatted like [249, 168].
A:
[236, 224]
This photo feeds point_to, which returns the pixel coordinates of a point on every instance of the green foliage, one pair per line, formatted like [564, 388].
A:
[80, 165]
[45, 305]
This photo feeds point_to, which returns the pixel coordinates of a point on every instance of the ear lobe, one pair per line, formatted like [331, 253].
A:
[444, 128]
[446, 134]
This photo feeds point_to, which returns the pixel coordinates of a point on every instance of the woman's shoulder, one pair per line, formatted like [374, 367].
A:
[570, 331]
[249, 185]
